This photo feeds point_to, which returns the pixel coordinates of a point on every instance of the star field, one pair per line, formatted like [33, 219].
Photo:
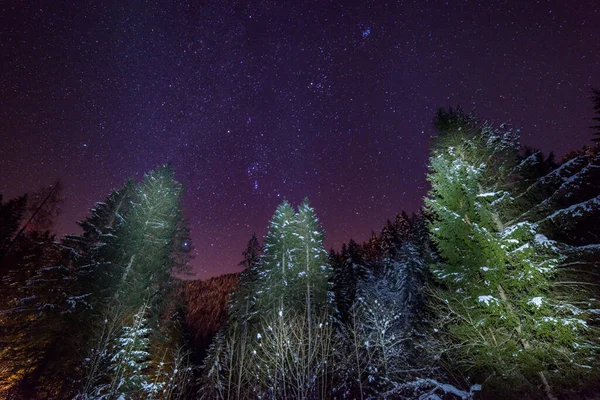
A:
[256, 102]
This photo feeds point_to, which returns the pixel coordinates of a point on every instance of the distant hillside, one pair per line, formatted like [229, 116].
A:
[206, 308]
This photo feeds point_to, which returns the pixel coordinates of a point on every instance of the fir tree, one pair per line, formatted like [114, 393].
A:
[130, 361]
[279, 261]
[350, 269]
[144, 251]
[313, 270]
[252, 253]
[498, 275]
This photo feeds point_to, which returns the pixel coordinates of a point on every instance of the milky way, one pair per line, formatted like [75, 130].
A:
[256, 102]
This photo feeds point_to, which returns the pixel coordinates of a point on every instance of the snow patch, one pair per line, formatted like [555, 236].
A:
[536, 301]
[487, 300]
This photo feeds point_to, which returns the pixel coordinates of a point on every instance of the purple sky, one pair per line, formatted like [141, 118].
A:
[259, 101]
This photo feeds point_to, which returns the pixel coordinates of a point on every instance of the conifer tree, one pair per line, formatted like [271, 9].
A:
[279, 261]
[350, 270]
[144, 252]
[29, 304]
[498, 274]
[130, 360]
[313, 270]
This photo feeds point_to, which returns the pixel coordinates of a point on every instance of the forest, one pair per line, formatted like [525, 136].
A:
[490, 291]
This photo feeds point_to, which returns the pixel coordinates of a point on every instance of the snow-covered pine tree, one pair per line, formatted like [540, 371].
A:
[292, 344]
[79, 284]
[502, 314]
[213, 381]
[149, 238]
[144, 252]
[130, 362]
[279, 261]
[383, 322]
[312, 268]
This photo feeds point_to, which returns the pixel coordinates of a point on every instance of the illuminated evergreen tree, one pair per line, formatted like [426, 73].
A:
[130, 361]
[144, 252]
[498, 274]
[312, 269]
[279, 261]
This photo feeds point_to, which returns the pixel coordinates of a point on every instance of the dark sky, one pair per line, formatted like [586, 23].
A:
[258, 101]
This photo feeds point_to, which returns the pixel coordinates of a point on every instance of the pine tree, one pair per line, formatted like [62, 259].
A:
[283, 297]
[227, 366]
[85, 280]
[29, 304]
[279, 261]
[312, 268]
[144, 251]
[497, 275]
[130, 360]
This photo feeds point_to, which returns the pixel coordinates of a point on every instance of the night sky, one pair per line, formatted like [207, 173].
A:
[261, 101]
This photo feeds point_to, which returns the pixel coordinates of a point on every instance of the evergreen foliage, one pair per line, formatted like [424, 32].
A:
[498, 272]
[492, 287]
[282, 301]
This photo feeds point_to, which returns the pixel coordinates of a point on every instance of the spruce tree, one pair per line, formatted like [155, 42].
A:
[144, 252]
[312, 268]
[279, 261]
[497, 275]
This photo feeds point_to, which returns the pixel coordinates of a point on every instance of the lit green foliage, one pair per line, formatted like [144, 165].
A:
[312, 270]
[500, 307]
[279, 260]
[277, 340]
[142, 254]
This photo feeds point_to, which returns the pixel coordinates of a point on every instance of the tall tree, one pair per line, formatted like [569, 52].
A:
[312, 268]
[145, 251]
[498, 275]
[279, 261]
